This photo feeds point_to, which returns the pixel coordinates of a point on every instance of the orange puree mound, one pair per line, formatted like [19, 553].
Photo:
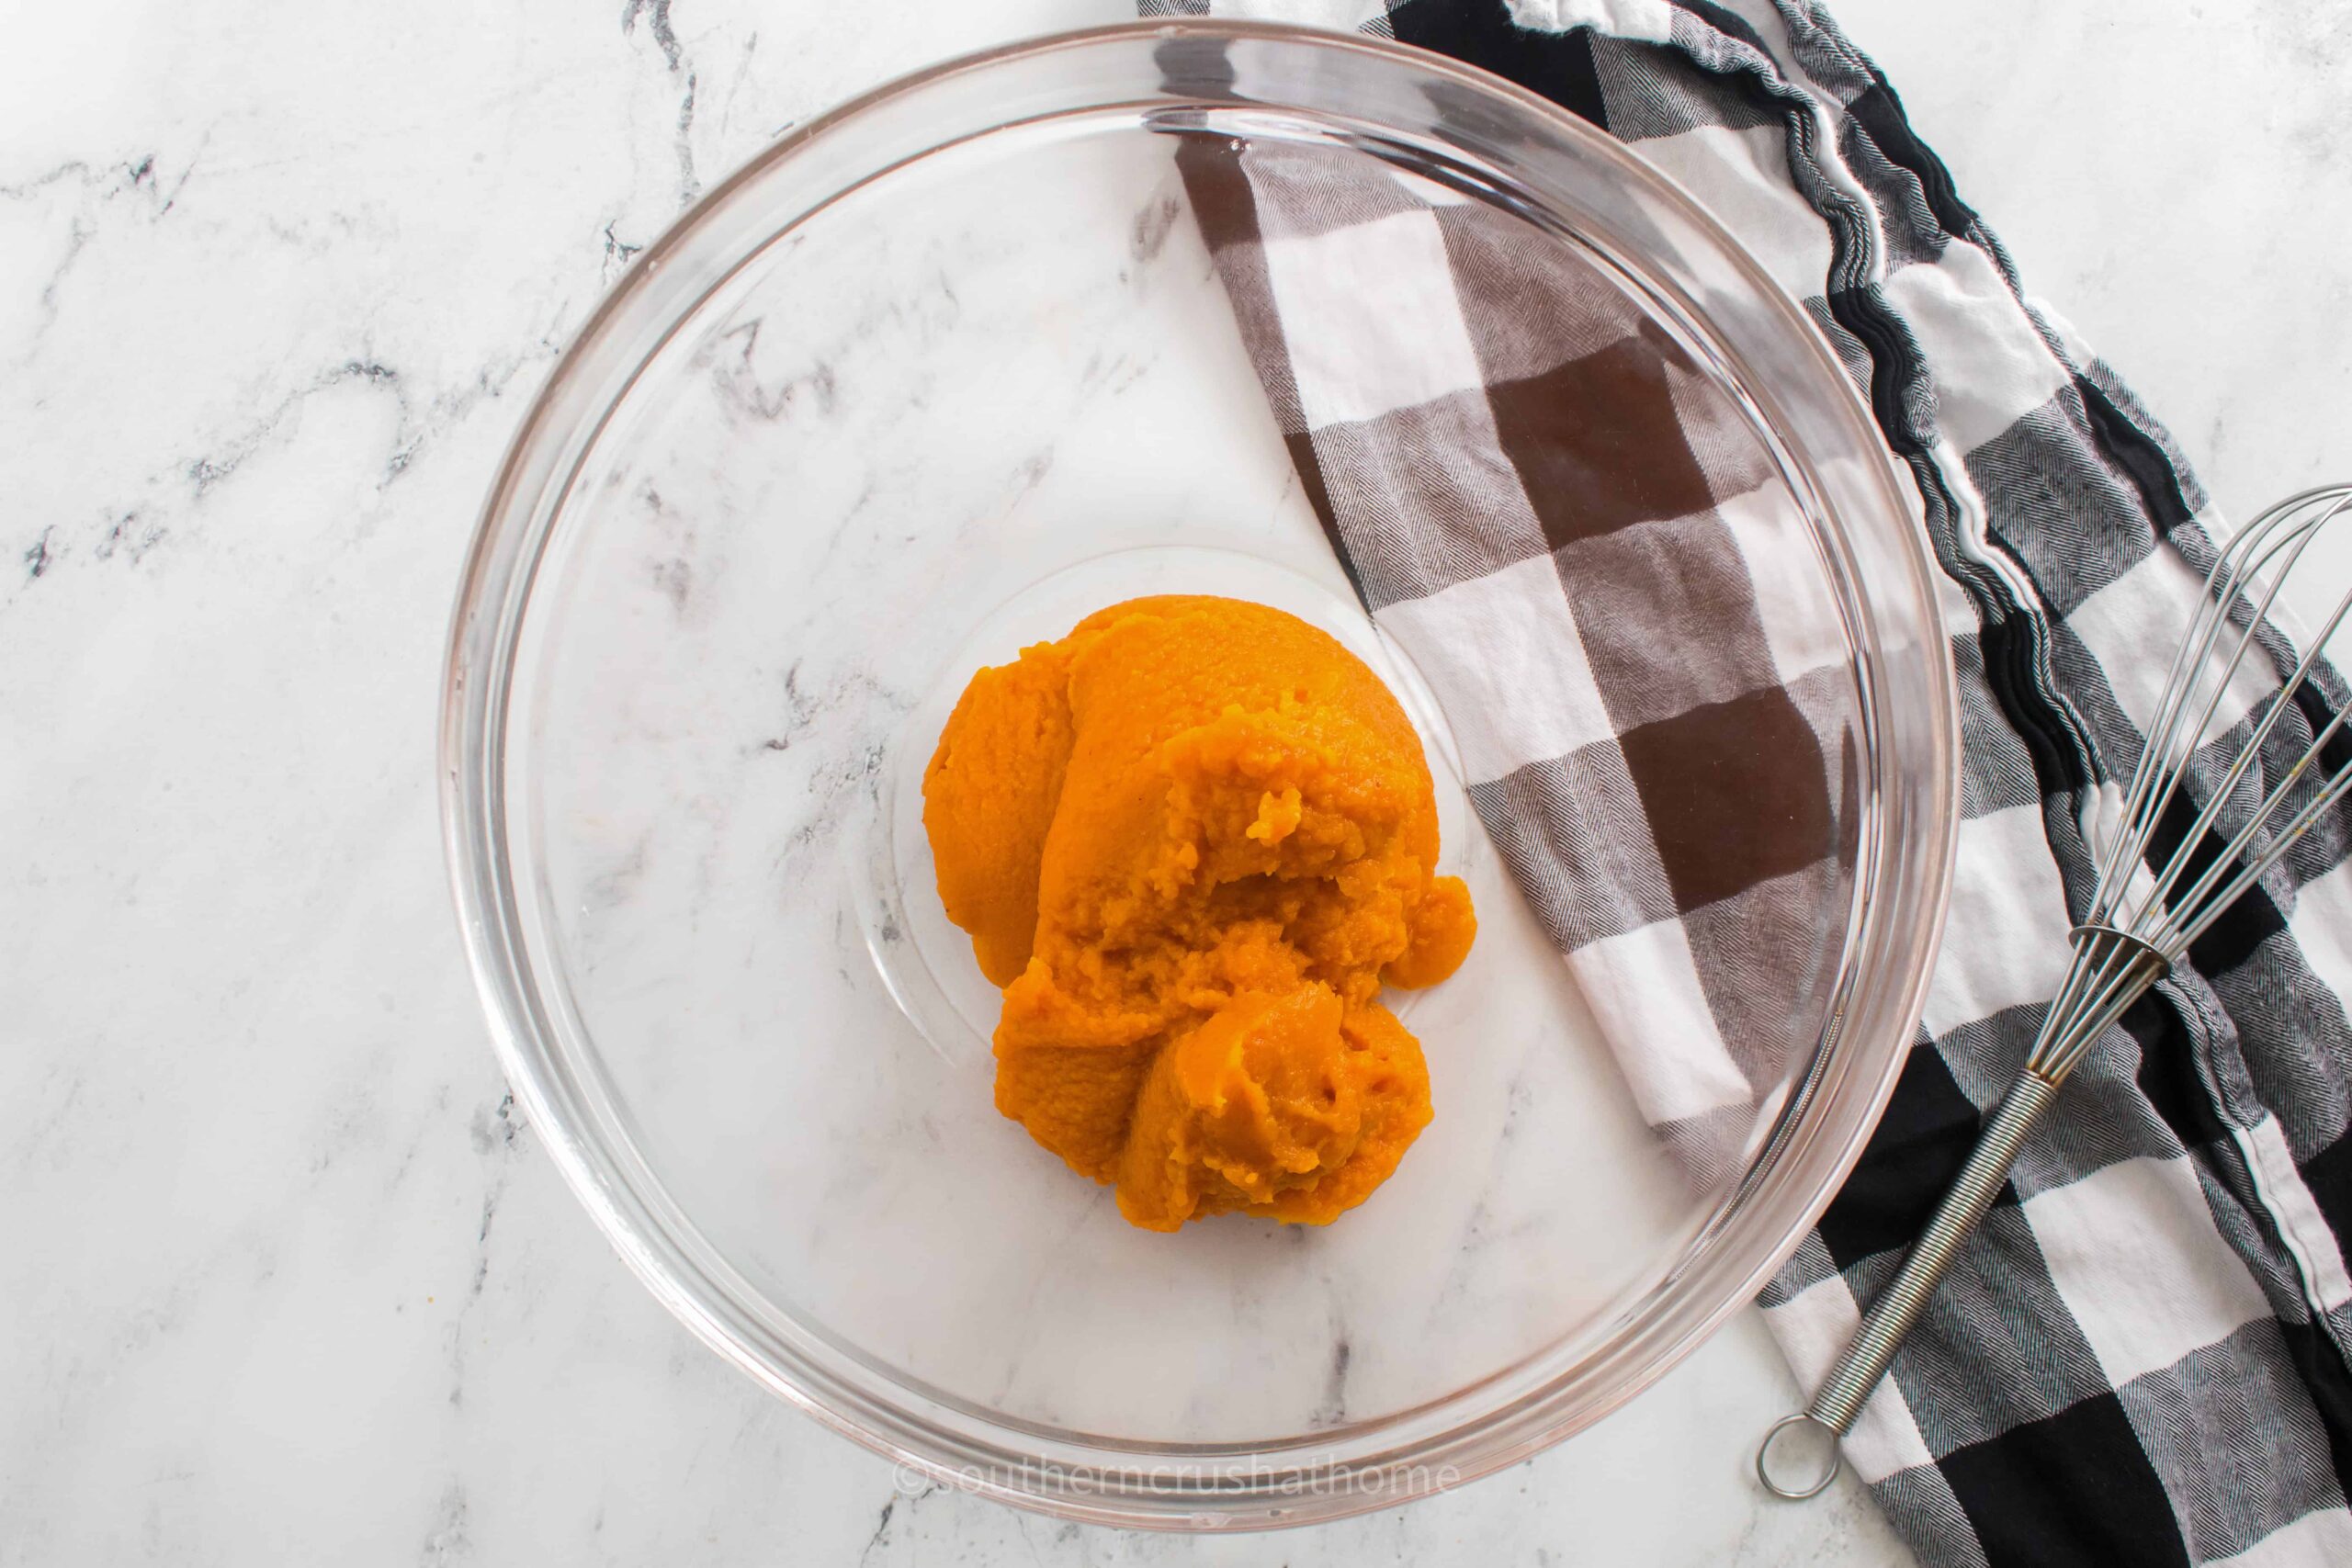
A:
[1189, 841]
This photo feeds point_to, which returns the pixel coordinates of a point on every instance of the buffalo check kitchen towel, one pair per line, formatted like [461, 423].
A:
[2142, 1356]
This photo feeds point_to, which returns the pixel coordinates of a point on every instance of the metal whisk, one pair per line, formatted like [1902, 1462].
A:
[2142, 919]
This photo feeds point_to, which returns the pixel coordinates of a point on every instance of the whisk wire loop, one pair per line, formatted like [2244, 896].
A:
[2289, 527]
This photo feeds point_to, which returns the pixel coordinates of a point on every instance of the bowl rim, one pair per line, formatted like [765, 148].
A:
[537, 468]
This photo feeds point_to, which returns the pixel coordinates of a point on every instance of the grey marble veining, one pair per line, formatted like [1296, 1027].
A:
[288, 1279]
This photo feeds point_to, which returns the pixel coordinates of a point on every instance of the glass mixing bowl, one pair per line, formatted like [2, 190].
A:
[932, 377]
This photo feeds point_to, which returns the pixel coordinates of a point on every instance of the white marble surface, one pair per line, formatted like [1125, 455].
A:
[286, 1280]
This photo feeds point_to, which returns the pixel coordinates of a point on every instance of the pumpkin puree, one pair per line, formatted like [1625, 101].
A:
[1189, 841]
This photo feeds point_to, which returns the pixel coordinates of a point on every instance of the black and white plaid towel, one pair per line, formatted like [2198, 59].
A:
[2142, 1357]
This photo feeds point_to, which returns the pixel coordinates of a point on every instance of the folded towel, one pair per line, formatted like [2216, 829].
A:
[2142, 1356]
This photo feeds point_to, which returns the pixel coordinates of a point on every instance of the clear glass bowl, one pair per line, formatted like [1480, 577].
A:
[930, 378]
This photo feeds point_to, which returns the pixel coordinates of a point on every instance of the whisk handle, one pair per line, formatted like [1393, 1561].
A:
[1892, 1316]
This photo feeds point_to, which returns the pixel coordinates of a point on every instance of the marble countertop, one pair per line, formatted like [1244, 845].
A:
[288, 1280]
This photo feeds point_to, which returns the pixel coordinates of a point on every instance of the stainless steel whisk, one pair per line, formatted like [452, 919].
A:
[2141, 920]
